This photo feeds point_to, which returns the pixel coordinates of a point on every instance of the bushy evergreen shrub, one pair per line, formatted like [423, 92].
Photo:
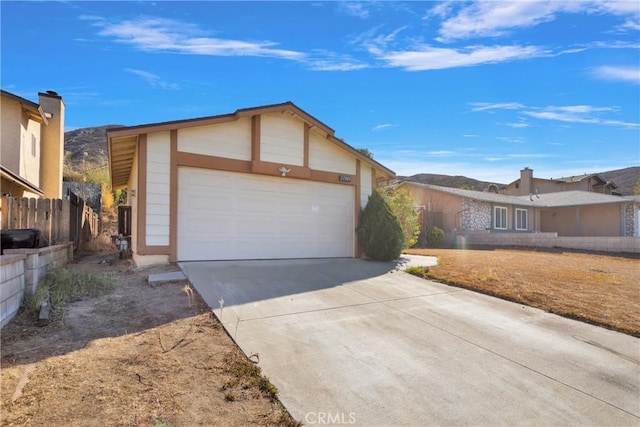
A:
[379, 232]
[435, 236]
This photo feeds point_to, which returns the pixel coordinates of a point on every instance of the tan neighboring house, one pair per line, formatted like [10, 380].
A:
[517, 219]
[528, 184]
[267, 182]
[31, 145]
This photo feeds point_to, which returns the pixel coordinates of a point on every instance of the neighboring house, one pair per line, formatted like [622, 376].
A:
[32, 145]
[261, 183]
[567, 213]
[527, 184]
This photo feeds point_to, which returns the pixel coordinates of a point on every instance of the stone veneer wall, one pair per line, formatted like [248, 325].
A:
[21, 271]
[631, 211]
[476, 215]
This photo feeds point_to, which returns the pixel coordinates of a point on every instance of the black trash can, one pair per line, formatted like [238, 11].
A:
[20, 238]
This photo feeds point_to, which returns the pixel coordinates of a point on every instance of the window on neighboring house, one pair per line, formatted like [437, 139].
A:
[522, 222]
[33, 145]
[500, 218]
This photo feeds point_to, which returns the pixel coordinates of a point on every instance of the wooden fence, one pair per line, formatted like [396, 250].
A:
[59, 220]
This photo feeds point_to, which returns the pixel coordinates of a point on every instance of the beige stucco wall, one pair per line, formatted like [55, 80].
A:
[52, 146]
[11, 134]
[231, 140]
[594, 220]
[158, 183]
[17, 136]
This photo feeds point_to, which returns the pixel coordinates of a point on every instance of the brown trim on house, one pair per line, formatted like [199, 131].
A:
[173, 197]
[356, 211]
[153, 250]
[331, 177]
[212, 162]
[270, 168]
[255, 138]
[307, 128]
[172, 125]
[142, 193]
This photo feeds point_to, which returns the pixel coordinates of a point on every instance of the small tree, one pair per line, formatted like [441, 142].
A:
[379, 232]
[403, 207]
[366, 152]
[636, 188]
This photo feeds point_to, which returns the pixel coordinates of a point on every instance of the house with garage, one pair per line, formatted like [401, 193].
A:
[571, 219]
[268, 182]
[31, 145]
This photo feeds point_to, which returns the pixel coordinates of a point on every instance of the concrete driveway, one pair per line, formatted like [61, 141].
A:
[352, 342]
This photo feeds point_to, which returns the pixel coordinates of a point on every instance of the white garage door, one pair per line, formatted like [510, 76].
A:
[225, 215]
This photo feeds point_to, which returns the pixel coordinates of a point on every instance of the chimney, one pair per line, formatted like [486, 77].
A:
[526, 181]
[52, 143]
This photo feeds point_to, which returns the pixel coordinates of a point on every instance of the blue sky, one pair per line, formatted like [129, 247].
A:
[480, 89]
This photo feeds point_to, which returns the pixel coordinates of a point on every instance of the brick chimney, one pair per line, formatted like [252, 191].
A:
[52, 154]
[526, 181]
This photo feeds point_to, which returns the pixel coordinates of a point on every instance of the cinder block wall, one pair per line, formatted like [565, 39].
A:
[22, 270]
[11, 286]
[550, 240]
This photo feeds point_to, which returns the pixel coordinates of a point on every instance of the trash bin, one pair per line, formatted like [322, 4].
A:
[20, 238]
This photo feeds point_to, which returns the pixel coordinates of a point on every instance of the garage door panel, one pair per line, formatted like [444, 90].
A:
[224, 215]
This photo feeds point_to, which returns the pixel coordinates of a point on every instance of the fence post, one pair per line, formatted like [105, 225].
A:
[31, 213]
[65, 221]
[6, 206]
[42, 220]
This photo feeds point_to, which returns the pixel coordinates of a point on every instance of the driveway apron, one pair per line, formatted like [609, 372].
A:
[356, 342]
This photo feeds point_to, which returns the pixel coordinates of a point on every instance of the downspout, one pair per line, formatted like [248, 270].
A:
[577, 220]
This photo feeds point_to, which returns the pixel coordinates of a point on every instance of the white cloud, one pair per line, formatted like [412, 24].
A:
[469, 135]
[481, 19]
[511, 139]
[434, 58]
[491, 18]
[166, 35]
[567, 113]
[441, 153]
[355, 9]
[518, 125]
[383, 126]
[152, 79]
[625, 74]
[485, 106]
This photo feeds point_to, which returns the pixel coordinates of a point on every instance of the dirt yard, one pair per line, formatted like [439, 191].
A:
[596, 288]
[140, 356]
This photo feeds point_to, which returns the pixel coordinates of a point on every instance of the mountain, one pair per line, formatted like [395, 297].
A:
[87, 145]
[625, 178]
[456, 181]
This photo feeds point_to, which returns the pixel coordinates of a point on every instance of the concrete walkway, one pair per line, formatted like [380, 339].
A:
[354, 342]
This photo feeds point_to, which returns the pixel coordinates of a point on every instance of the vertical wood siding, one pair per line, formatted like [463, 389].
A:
[230, 140]
[281, 139]
[158, 194]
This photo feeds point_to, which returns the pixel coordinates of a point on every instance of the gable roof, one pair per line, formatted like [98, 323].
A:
[122, 140]
[546, 200]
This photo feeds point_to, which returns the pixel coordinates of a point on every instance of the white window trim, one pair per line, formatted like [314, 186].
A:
[526, 219]
[497, 209]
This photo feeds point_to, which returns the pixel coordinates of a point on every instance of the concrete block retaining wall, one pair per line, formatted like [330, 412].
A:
[550, 240]
[21, 271]
[11, 286]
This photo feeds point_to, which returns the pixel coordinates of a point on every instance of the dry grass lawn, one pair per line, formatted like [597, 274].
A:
[599, 289]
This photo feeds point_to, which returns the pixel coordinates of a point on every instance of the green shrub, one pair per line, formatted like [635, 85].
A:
[380, 234]
[403, 207]
[435, 236]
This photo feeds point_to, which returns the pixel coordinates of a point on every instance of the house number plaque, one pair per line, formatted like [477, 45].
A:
[344, 178]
